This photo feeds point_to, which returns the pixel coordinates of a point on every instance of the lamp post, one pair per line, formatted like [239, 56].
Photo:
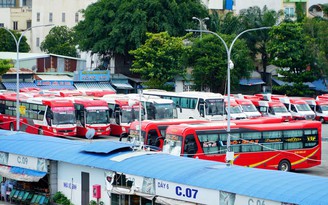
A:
[229, 154]
[200, 24]
[18, 66]
[140, 99]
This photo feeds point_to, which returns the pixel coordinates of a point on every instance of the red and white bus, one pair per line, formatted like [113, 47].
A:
[153, 132]
[92, 114]
[122, 112]
[283, 146]
[39, 115]
[248, 108]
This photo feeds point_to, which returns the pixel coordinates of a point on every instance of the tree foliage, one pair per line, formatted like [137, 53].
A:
[208, 57]
[160, 59]
[257, 41]
[60, 40]
[316, 31]
[118, 26]
[5, 65]
[7, 42]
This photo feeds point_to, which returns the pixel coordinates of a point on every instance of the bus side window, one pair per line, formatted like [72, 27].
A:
[49, 116]
[152, 137]
[117, 117]
[293, 108]
[190, 146]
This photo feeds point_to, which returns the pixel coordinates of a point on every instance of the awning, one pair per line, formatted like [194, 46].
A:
[252, 81]
[12, 86]
[56, 87]
[320, 85]
[122, 86]
[21, 174]
[93, 86]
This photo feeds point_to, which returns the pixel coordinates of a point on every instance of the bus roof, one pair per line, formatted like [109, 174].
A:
[146, 123]
[90, 103]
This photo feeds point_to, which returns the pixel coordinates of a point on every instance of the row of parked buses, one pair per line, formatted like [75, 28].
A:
[73, 113]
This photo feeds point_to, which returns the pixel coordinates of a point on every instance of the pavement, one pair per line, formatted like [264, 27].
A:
[4, 203]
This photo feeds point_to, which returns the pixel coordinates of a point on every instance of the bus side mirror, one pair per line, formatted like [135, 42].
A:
[178, 106]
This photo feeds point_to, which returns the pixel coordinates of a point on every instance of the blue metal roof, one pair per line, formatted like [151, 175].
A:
[12, 86]
[320, 85]
[265, 184]
[59, 87]
[252, 81]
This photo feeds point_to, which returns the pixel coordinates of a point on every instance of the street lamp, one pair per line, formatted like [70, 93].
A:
[140, 139]
[201, 21]
[18, 66]
[229, 153]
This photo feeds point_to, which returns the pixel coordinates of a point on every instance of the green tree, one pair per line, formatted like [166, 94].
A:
[288, 49]
[5, 65]
[208, 58]
[7, 42]
[257, 41]
[160, 59]
[316, 31]
[60, 40]
[118, 26]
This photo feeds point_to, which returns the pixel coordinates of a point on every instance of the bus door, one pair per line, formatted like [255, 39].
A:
[201, 107]
[190, 146]
[80, 118]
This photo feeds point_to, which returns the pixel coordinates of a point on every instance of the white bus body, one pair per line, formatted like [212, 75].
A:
[194, 105]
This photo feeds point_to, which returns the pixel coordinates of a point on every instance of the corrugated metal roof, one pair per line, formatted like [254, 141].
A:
[265, 184]
[22, 56]
[12, 86]
[55, 77]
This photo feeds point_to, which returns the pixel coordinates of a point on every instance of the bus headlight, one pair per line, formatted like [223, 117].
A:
[123, 129]
[54, 130]
[108, 128]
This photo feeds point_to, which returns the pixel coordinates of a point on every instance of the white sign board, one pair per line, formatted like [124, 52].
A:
[28, 162]
[186, 193]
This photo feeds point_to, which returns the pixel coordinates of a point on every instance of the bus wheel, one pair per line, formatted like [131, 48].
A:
[284, 165]
[40, 132]
[11, 127]
[322, 120]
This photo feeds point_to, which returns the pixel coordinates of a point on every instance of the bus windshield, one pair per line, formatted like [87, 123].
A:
[280, 109]
[135, 134]
[214, 106]
[165, 111]
[130, 115]
[303, 107]
[249, 108]
[97, 116]
[324, 107]
[63, 115]
[235, 110]
[172, 144]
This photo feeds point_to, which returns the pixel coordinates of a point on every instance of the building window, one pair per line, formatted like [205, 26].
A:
[15, 25]
[290, 12]
[38, 42]
[7, 3]
[76, 17]
[63, 17]
[24, 3]
[50, 17]
[38, 17]
[28, 24]
[2, 25]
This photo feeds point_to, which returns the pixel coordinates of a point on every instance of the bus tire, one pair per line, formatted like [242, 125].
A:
[322, 120]
[40, 131]
[284, 165]
[11, 127]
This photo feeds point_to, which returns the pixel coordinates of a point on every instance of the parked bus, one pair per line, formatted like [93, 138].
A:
[194, 105]
[39, 115]
[283, 146]
[299, 109]
[153, 132]
[92, 114]
[122, 112]
[321, 110]
[156, 108]
[273, 109]
[248, 108]
[236, 113]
